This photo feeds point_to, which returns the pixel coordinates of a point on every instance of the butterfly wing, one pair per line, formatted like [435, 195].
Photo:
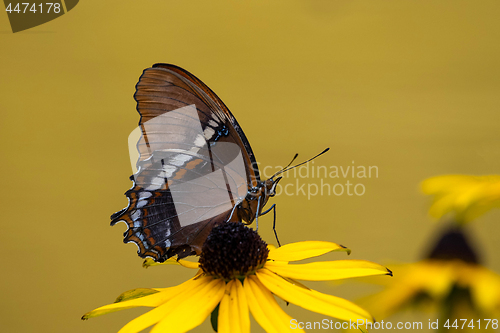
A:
[194, 165]
[215, 104]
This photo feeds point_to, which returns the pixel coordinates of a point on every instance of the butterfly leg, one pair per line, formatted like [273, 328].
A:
[273, 208]
[257, 217]
[267, 211]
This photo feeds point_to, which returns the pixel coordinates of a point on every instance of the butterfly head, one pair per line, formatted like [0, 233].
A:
[256, 199]
[270, 186]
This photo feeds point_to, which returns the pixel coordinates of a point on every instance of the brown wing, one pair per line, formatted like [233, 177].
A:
[194, 166]
[215, 104]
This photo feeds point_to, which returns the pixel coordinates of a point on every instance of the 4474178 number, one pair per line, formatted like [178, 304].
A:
[479, 323]
[41, 8]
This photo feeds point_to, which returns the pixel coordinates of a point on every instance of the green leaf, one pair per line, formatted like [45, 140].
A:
[214, 318]
[135, 293]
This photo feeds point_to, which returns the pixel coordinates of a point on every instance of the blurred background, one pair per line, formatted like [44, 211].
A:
[411, 87]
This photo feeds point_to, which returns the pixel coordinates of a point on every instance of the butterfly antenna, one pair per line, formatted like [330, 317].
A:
[290, 168]
[293, 159]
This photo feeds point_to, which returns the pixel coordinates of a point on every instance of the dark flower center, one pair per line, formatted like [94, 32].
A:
[453, 244]
[233, 250]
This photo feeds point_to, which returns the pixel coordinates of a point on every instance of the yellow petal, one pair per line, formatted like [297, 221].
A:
[304, 250]
[445, 183]
[390, 300]
[191, 310]
[188, 264]
[433, 277]
[312, 300]
[163, 311]
[170, 261]
[428, 277]
[467, 196]
[480, 207]
[441, 206]
[153, 300]
[105, 310]
[233, 310]
[265, 309]
[327, 270]
[485, 288]
[271, 247]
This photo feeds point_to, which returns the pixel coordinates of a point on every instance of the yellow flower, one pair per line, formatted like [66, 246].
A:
[239, 272]
[449, 281]
[430, 283]
[467, 197]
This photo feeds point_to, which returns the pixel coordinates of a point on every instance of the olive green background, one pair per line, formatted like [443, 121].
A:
[409, 86]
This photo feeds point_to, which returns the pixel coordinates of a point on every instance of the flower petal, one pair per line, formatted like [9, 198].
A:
[466, 196]
[190, 310]
[159, 313]
[445, 183]
[170, 261]
[485, 288]
[328, 270]
[304, 250]
[154, 300]
[233, 310]
[265, 309]
[312, 300]
[433, 278]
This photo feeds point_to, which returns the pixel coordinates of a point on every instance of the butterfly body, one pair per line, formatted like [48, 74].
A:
[255, 200]
[195, 169]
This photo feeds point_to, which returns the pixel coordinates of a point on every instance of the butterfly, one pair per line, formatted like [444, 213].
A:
[195, 168]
